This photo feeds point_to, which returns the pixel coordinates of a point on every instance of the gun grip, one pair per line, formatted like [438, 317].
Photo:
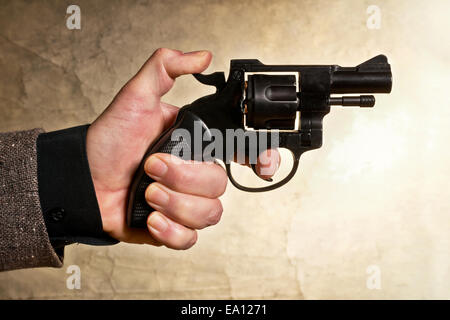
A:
[138, 209]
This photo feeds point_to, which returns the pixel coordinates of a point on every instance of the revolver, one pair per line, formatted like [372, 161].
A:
[271, 106]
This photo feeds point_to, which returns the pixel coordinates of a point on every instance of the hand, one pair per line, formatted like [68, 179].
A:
[185, 195]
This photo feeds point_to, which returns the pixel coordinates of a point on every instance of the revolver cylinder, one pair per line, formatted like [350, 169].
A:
[271, 101]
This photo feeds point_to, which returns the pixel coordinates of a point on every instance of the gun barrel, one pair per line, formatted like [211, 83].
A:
[361, 82]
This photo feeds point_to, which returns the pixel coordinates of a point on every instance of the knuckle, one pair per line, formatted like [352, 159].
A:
[215, 213]
[187, 244]
[182, 206]
[160, 52]
[222, 182]
[216, 181]
[192, 241]
[165, 52]
[184, 176]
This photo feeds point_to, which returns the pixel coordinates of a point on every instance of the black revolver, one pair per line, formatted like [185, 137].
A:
[270, 106]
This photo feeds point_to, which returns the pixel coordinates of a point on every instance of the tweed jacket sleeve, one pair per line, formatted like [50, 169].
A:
[24, 241]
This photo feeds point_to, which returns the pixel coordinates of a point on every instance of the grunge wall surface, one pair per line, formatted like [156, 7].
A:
[374, 200]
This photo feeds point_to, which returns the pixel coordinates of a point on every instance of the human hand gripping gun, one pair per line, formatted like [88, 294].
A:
[272, 105]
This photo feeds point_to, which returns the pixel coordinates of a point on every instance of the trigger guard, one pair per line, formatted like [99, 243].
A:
[262, 189]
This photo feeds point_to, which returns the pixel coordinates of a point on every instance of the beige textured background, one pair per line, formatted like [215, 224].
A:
[377, 193]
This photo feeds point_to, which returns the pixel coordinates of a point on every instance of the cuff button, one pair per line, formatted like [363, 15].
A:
[57, 214]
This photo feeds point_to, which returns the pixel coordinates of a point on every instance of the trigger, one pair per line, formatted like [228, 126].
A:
[254, 170]
[216, 79]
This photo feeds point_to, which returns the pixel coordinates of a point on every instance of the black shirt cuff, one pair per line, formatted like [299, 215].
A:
[66, 190]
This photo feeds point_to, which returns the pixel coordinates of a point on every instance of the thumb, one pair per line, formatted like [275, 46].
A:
[157, 75]
[138, 102]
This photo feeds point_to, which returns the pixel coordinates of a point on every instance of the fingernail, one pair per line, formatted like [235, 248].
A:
[157, 195]
[199, 52]
[155, 167]
[269, 169]
[157, 223]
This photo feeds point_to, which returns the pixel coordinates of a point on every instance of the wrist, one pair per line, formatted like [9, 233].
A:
[66, 188]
